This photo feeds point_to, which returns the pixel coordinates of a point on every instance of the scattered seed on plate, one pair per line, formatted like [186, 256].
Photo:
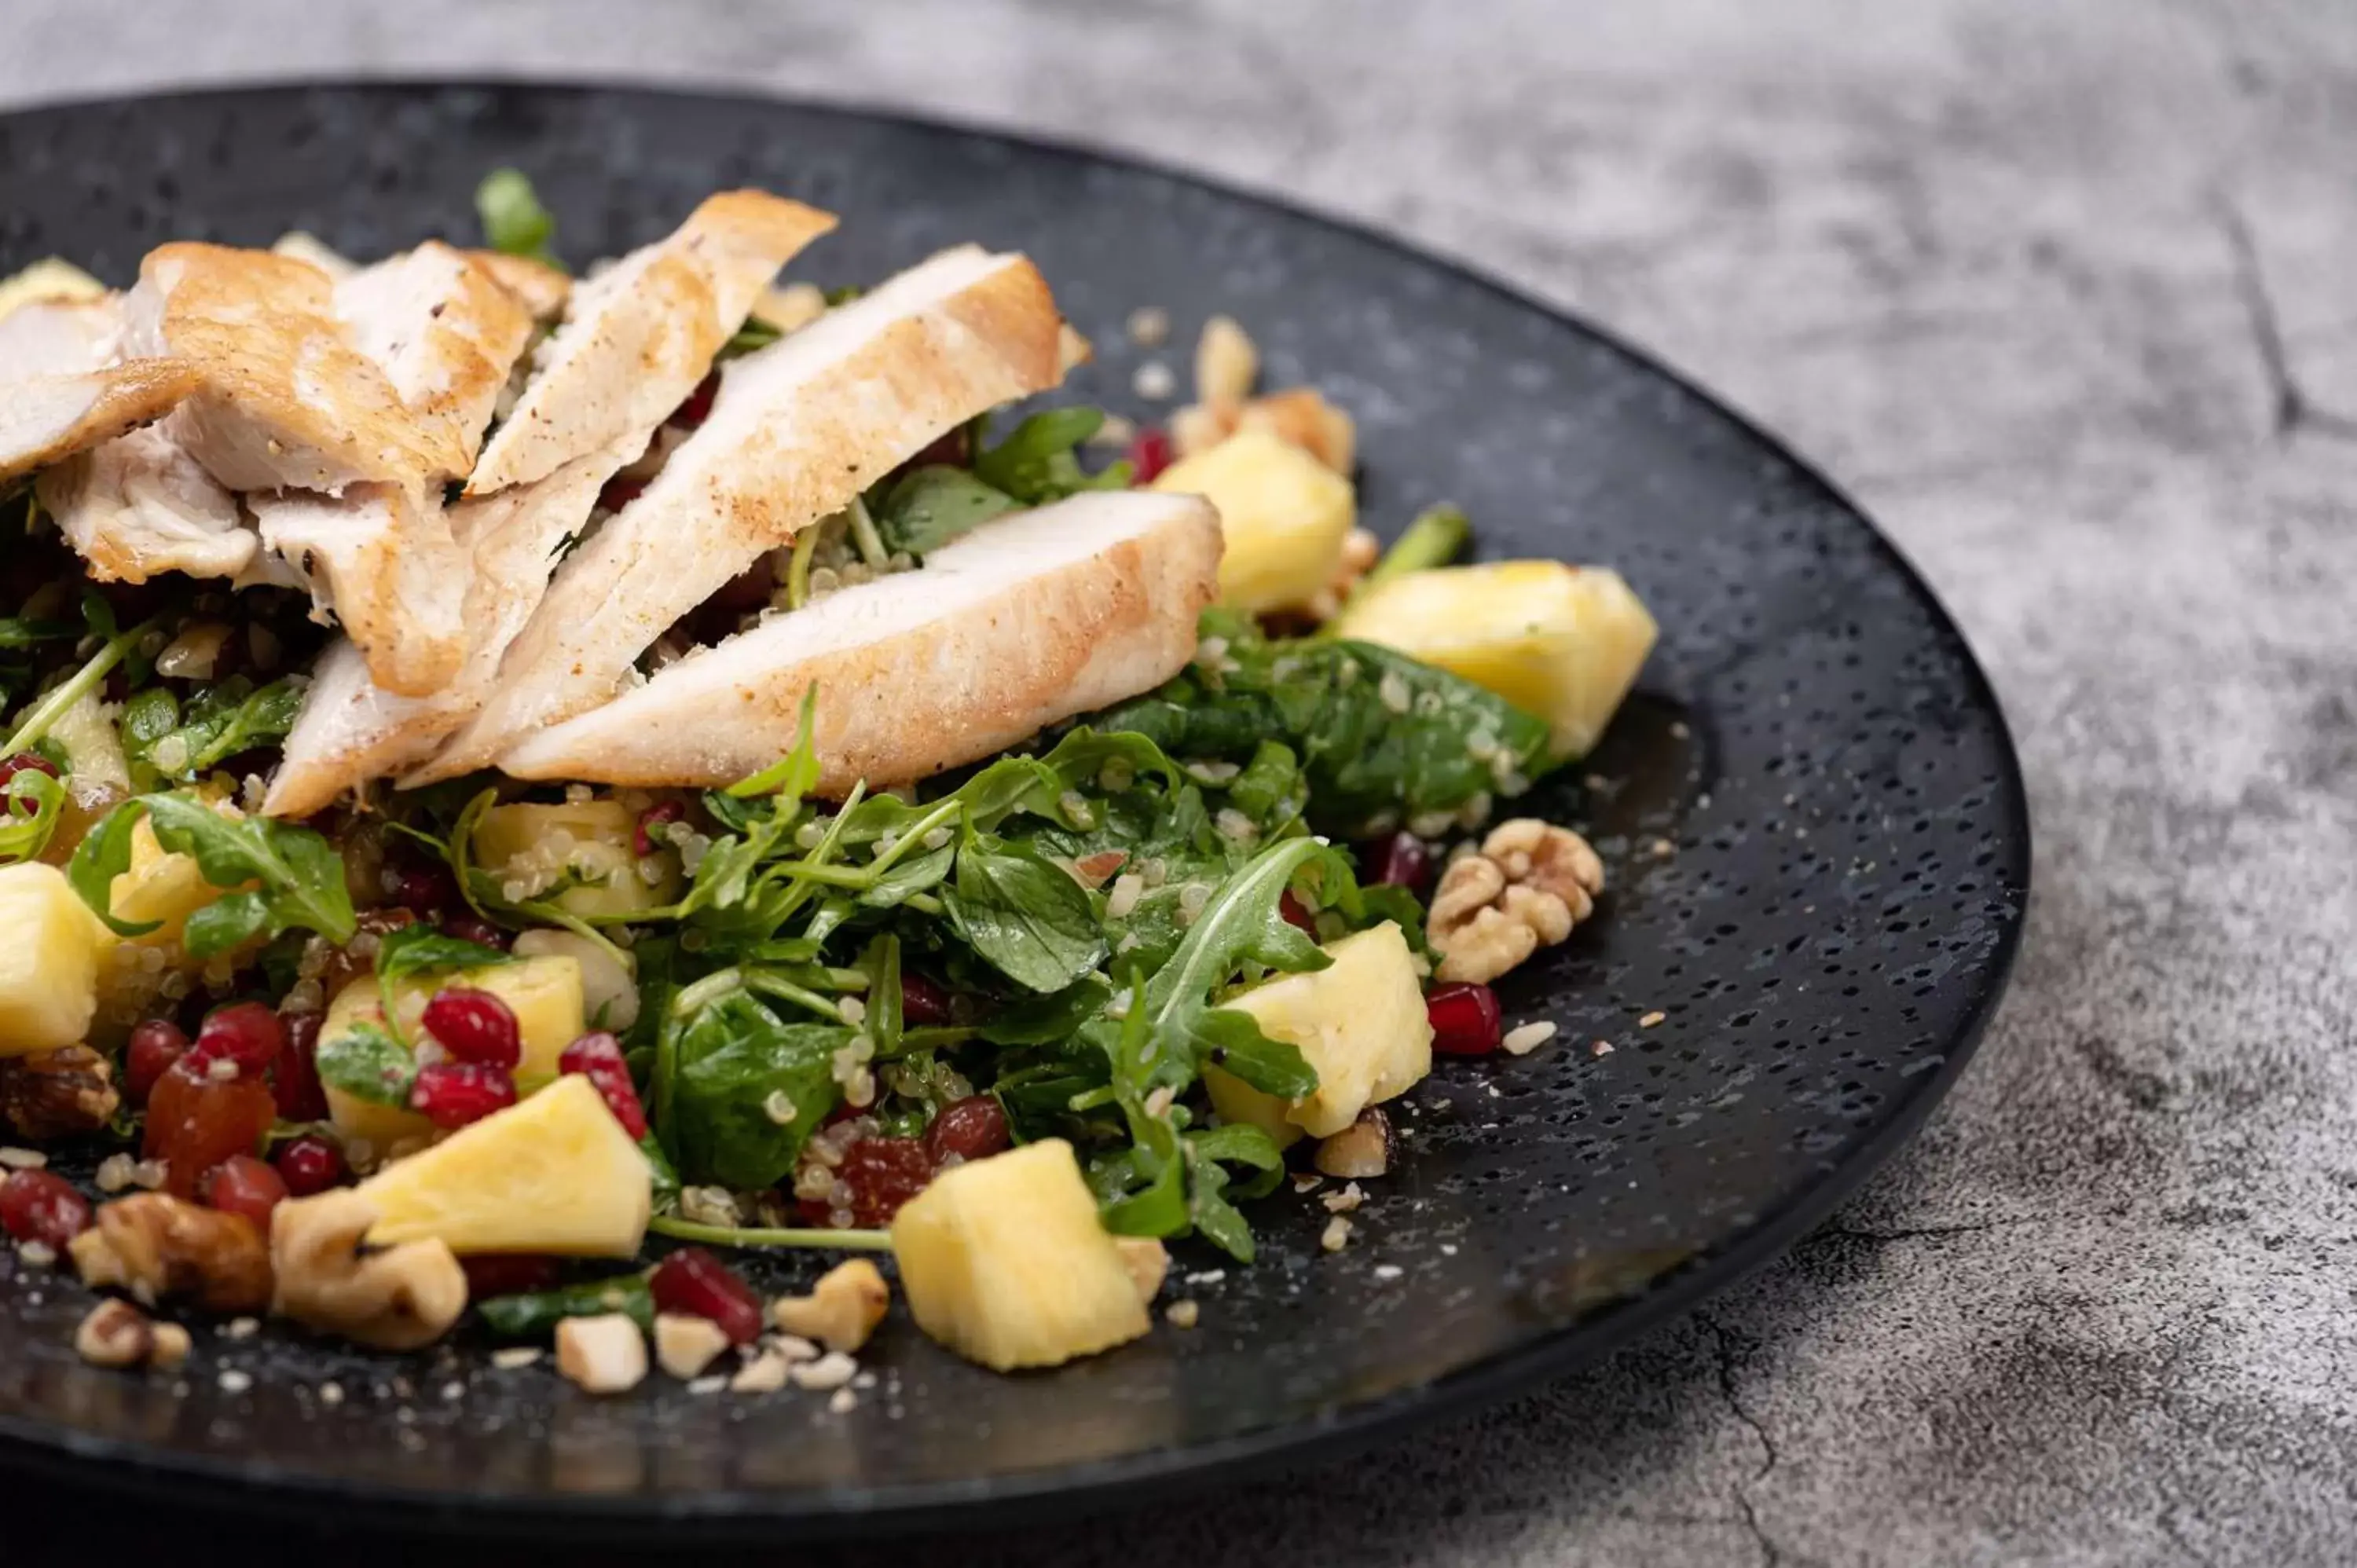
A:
[1154, 380]
[843, 1401]
[17, 1159]
[1599, 1048]
[1523, 1041]
[1337, 1235]
[234, 1381]
[1342, 1202]
[515, 1357]
[1183, 1314]
[1650, 1019]
[1388, 1271]
[1150, 327]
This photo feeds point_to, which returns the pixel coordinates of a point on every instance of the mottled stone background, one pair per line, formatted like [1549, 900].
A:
[2067, 294]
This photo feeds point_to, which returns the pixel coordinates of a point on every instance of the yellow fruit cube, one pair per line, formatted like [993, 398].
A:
[1284, 515]
[580, 855]
[1360, 1022]
[49, 947]
[544, 994]
[1237, 1100]
[1004, 1261]
[552, 1174]
[1564, 642]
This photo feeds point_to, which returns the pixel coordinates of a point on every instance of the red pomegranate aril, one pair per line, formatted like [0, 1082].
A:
[426, 890]
[247, 1033]
[308, 1166]
[642, 836]
[24, 762]
[971, 1129]
[41, 1206]
[458, 1094]
[1150, 453]
[599, 1058]
[1465, 1019]
[1297, 914]
[695, 1283]
[1400, 861]
[698, 406]
[620, 491]
[923, 1005]
[243, 1185]
[196, 1121]
[883, 1174]
[509, 1274]
[475, 1027]
[155, 1045]
[294, 1081]
[476, 929]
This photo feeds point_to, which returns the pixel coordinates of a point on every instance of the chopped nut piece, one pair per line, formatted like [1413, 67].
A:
[831, 1370]
[515, 1357]
[116, 1334]
[603, 1355]
[843, 1401]
[1337, 1234]
[37, 1254]
[1362, 1149]
[1344, 1201]
[15, 1159]
[842, 1310]
[1528, 1037]
[764, 1374]
[1599, 1048]
[685, 1346]
[1154, 380]
[1183, 1314]
[1650, 1019]
[1530, 882]
[1150, 327]
[171, 1346]
[1147, 1261]
[1226, 364]
[393, 1299]
[153, 1246]
[793, 1348]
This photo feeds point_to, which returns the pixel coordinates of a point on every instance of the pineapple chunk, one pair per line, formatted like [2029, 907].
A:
[1004, 1261]
[47, 279]
[589, 843]
[544, 993]
[49, 964]
[1283, 513]
[1564, 642]
[552, 1174]
[1237, 1100]
[1360, 1022]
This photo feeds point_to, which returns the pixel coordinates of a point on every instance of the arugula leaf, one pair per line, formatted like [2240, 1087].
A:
[367, 1064]
[1026, 916]
[534, 1314]
[298, 877]
[164, 742]
[740, 1066]
[756, 334]
[104, 854]
[417, 948]
[29, 807]
[514, 220]
[1036, 464]
[928, 507]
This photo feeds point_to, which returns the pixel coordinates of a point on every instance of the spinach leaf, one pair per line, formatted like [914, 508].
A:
[534, 1314]
[367, 1064]
[29, 807]
[286, 877]
[1026, 916]
[747, 1089]
[1037, 462]
[18, 632]
[928, 507]
[514, 220]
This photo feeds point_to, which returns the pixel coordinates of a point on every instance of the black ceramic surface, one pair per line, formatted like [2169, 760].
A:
[1811, 815]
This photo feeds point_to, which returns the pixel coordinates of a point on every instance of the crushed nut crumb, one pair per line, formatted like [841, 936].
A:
[17, 1159]
[1523, 1041]
[1344, 1201]
[843, 1401]
[515, 1357]
[832, 1370]
[1184, 1314]
[1337, 1234]
[1650, 1019]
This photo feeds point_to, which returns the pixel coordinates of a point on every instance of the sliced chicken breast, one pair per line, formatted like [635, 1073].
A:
[641, 334]
[798, 430]
[1029, 619]
[138, 505]
[353, 730]
[543, 289]
[444, 331]
[59, 337]
[44, 419]
[384, 562]
[280, 400]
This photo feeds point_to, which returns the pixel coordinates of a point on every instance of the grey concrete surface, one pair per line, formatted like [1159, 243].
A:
[2067, 293]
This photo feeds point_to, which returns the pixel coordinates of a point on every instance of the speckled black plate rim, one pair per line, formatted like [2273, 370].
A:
[69, 1455]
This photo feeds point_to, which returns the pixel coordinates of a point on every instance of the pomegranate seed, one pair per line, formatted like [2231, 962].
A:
[508, 1273]
[923, 1005]
[1150, 454]
[642, 839]
[971, 1129]
[883, 1174]
[599, 1058]
[309, 1165]
[691, 1281]
[41, 1206]
[620, 491]
[455, 1094]
[155, 1045]
[196, 1121]
[427, 890]
[243, 1185]
[295, 1080]
[1400, 861]
[698, 406]
[1465, 1019]
[1296, 914]
[475, 1027]
[476, 929]
[247, 1033]
[24, 762]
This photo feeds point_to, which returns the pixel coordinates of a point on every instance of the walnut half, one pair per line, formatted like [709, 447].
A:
[153, 1246]
[392, 1298]
[55, 1094]
[1529, 884]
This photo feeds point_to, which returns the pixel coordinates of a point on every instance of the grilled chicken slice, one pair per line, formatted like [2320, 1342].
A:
[641, 334]
[353, 730]
[1028, 619]
[138, 505]
[543, 289]
[59, 337]
[444, 331]
[386, 565]
[46, 418]
[282, 399]
[797, 430]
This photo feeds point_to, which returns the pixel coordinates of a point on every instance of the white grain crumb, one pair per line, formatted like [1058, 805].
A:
[1650, 1019]
[515, 1357]
[240, 1328]
[1154, 380]
[1337, 1235]
[17, 1159]
[234, 1381]
[1388, 1271]
[453, 1392]
[1523, 1041]
[1150, 327]
[1183, 1314]
[332, 1394]
[1449, 1249]
[843, 1401]
[1344, 1201]
[1207, 1277]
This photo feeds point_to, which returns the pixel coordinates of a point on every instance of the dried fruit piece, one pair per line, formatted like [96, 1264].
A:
[691, 1281]
[971, 1129]
[1466, 1020]
[245, 1186]
[57, 1094]
[43, 1206]
[196, 1121]
[882, 1174]
[309, 1166]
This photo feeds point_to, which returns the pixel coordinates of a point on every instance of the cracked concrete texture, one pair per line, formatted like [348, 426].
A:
[2065, 296]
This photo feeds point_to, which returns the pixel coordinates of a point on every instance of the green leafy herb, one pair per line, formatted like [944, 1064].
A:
[930, 507]
[1038, 461]
[534, 1314]
[1026, 918]
[419, 949]
[514, 220]
[746, 1090]
[295, 877]
[756, 334]
[118, 645]
[165, 742]
[367, 1064]
[29, 807]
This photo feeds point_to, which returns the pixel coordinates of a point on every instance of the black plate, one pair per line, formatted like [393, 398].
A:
[1812, 814]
